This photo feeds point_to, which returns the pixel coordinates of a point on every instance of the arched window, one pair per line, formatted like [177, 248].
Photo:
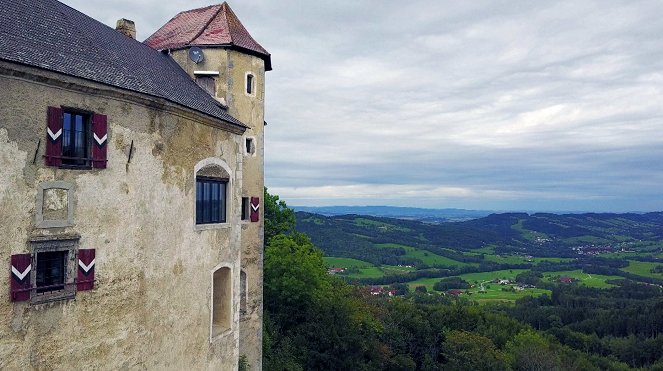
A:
[212, 192]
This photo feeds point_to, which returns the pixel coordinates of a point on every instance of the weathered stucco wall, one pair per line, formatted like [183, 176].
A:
[151, 304]
[233, 66]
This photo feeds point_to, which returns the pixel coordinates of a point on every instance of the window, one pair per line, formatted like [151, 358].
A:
[221, 301]
[75, 129]
[76, 138]
[249, 84]
[207, 83]
[246, 208]
[54, 264]
[210, 200]
[51, 267]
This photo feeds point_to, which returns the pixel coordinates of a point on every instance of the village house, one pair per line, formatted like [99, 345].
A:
[131, 179]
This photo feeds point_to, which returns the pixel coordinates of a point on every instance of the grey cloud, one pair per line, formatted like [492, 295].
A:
[480, 104]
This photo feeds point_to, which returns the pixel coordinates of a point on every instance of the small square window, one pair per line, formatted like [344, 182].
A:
[210, 200]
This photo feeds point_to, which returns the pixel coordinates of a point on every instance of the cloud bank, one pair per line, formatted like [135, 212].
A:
[506, 105]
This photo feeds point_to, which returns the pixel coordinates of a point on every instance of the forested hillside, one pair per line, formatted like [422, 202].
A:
[316, 320]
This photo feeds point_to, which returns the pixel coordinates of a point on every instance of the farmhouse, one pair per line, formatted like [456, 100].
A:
[130, 187]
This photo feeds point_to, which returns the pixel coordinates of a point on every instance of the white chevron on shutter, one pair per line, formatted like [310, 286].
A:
[54, 136]
[86, 268]
[100, 140]
[20, 275]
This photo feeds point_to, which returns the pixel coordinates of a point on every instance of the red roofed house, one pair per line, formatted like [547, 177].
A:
[566, 279]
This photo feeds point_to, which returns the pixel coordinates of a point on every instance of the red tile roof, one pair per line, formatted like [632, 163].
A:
[215, 25]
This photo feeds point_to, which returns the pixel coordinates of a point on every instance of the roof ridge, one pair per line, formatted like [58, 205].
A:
[210, 20]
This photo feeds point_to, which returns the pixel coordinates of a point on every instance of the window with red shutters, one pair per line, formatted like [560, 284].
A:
[76, 139]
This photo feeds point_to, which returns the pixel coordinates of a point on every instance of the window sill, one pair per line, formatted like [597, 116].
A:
[203, 227]
[222, 333]
[48, 297]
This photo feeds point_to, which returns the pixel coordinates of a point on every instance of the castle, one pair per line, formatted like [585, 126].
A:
[131, 180]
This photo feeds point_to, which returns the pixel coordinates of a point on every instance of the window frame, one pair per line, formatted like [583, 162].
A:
[245, 215]
[87, 156]
[250, 84]
[222, 208]
[69, 246]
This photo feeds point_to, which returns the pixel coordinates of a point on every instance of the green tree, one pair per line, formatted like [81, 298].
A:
[279, 219]
[294, 276]
[469, 351]
[531, 351]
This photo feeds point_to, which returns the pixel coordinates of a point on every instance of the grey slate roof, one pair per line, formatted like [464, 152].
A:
[50, 35]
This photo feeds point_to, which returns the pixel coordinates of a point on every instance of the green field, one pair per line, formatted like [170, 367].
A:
[332, 261]
[370, 272]
[366, 269]
[427, 257]
[470, 277]
[591, 280]
[492, 291]
[643, 269]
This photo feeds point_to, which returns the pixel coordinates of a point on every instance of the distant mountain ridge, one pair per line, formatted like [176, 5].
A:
[408, 213]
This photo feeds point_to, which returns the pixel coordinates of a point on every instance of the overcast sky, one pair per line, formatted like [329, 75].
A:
[500, 105]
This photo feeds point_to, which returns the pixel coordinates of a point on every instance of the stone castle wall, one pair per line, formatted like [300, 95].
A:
[151, 302]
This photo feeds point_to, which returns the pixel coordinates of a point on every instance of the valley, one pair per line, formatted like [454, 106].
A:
[592, 250]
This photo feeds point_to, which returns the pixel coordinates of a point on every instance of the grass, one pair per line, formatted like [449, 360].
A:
[394, 270]
[336, 262]
[427, 257]
[362, 222]
[469, 277]
[642, 269]
[591, 280]
[370, 272]
[493, 292]
[366, 269]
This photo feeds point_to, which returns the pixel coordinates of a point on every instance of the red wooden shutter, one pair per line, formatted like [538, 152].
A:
[86, 263]
[255, 209]
[99, 141]
[20, 283]
[54, 137]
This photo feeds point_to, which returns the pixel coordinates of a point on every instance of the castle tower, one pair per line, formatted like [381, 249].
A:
[215, 49]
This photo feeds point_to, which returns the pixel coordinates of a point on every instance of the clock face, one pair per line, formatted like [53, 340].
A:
[196, 54]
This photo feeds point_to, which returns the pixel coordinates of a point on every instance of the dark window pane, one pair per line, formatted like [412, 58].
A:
[51, 270]
[210, 201]
[222, 201]
[245, 208]
[249, 84]
[199, 202]
[74, 139]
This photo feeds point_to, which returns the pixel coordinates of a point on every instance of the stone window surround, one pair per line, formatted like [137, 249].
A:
[254, 144]
[55, 243]
[215, 161]
[254, 84]
[39, 212]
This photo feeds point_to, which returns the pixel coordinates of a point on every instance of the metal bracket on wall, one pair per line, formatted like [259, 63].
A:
[34, 159]
[131, 152]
